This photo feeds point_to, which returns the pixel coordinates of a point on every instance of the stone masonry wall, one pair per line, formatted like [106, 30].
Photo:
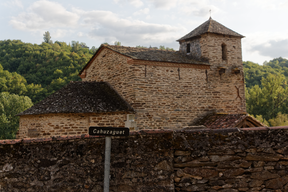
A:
[48, 125]
[169, 96]
[138, 163]
[229, 86]
[234, 159]
[112, 67]
[195, 47]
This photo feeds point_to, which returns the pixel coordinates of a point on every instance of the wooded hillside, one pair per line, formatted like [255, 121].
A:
[48, 66]
[267, 90]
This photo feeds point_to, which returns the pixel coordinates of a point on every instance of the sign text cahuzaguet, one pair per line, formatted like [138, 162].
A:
[109, 131]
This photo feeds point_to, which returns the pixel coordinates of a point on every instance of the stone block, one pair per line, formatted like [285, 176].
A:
[264, 175]
[264, 157]
[205, 173]
[277, 183]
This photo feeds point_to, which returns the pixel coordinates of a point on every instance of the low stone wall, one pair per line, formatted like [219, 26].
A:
[229, 160]
[140, 162]
[196, 160]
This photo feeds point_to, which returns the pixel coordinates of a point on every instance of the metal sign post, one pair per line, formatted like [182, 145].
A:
[107, 163]
[108, 132]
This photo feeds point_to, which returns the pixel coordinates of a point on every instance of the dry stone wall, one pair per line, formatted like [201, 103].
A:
[232, 161]
[138, 163]
[48, 125]
[196, 160]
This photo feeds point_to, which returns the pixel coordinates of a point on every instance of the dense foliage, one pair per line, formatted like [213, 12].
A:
[11, 105]
[267, 90]
[49, 65]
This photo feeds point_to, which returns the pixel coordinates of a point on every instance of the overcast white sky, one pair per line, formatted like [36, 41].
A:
[147, 22]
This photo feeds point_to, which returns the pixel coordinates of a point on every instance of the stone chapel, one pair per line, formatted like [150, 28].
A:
[202, 84]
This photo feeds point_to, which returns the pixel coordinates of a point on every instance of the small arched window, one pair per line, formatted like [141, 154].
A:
[224, 51]
[188, 47]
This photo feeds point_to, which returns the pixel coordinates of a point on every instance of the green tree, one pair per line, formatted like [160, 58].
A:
[75, 46]
[139, 46]
[36, 65]
[261, 119]
[15, 83]
[118, 43]
[57, 84]
[280, 120]
[269, 100]
[93, 50]
[11, 105]
[162, 47]
[275, 93]
[47, 37]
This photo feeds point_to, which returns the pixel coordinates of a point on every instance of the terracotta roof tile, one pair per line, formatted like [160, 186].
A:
[218, 121]
[222, 121]
[210, 26]
[81, 97]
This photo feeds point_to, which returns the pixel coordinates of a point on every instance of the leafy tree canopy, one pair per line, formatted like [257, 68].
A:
[47, 37]
[39, 67]
[11, 105]
[267, 90]
[16, 84]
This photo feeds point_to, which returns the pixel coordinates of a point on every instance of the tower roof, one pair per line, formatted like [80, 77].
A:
[210, 26]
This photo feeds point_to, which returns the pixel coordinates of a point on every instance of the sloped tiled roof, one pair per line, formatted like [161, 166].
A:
[220, 121]
[151, 54]
[210, 26]
[81, 97]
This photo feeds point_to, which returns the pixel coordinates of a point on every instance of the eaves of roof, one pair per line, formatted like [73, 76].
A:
[149, 54]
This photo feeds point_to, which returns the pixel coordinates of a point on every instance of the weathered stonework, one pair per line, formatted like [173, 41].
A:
[166, 89]
[169, 95]
[112, 67]
[48, 125]
[253, 159]
[140, 163]
[228, 86]
[195, 47]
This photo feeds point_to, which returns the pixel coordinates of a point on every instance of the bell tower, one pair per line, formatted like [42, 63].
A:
[213, 41]
[221, 46]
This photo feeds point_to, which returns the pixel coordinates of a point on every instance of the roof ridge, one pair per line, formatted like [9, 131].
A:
[148, 48]
[148, 54]
[209, 24]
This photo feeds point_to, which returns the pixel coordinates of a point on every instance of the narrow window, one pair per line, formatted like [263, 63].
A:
[188, 47]
[224, 51]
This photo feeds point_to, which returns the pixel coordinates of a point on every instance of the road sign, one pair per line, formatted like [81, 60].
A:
[109, 131]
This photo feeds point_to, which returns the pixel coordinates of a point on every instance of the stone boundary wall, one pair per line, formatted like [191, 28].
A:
[247, 159]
